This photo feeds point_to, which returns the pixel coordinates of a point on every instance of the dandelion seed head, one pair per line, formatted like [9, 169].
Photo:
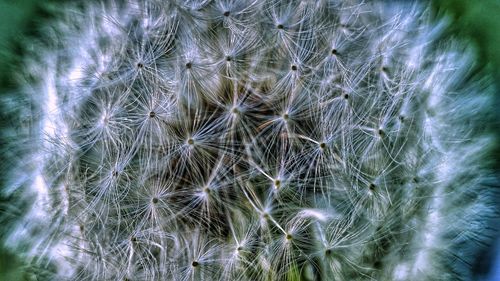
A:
[250, 140]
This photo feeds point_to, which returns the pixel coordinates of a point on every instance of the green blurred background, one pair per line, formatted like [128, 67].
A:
[477, 21]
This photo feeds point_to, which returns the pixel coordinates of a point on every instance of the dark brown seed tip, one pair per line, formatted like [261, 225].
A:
[277, 183]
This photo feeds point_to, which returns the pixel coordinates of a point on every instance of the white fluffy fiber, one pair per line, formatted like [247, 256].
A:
[252, 140]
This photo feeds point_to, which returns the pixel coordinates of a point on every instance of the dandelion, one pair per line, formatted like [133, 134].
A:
[250, 140]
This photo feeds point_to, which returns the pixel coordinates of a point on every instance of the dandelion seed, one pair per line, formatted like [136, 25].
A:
[277, 184]
[322, 145]
[381, 132]
[206, 190]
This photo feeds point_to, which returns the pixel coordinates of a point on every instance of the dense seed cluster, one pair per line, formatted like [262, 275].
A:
[254, 140]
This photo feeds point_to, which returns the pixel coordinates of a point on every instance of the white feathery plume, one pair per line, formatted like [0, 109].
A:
[251, 140]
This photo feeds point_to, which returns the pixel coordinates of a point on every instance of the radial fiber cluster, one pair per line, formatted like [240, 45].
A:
[251, 140]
